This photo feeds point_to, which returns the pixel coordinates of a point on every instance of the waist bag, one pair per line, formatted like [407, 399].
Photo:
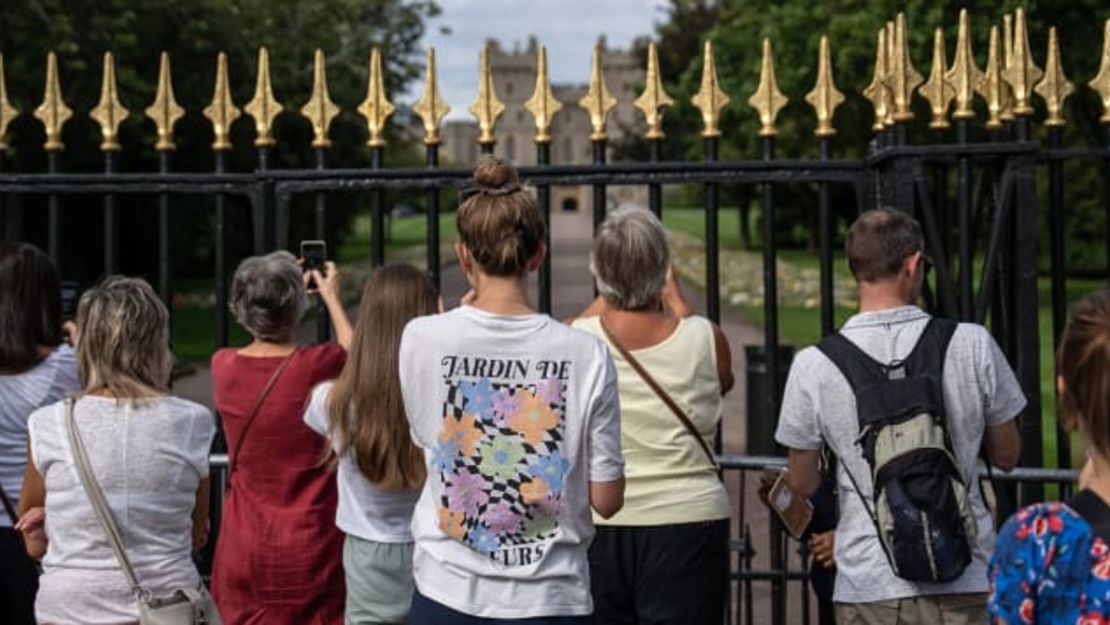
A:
[919, 501]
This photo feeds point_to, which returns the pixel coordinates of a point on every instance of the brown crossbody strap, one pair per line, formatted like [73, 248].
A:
[662, 394]
[234, 461]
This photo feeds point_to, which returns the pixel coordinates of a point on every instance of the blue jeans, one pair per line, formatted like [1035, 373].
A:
[427, 612]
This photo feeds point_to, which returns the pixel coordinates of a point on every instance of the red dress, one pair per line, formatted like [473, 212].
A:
[279, 555]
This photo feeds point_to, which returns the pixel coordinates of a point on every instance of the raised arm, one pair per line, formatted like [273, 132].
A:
[328, 288]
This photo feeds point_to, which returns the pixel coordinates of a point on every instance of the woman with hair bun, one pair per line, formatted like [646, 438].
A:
[519, 422]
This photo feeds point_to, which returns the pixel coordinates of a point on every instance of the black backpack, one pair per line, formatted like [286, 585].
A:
[920, 504]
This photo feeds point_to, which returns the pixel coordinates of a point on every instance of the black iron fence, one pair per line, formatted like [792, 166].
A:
[977, 201]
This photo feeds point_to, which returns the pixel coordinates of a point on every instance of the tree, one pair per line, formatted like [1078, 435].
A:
[193, 32]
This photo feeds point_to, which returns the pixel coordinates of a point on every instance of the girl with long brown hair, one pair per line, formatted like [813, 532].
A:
[380, 470]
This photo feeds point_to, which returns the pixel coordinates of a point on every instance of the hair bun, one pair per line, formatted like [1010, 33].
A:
[494, 174]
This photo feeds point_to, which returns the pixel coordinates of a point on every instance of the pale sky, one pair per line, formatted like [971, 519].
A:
[568, 28]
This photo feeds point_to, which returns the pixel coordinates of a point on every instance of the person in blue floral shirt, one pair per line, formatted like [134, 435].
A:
[1052, 560]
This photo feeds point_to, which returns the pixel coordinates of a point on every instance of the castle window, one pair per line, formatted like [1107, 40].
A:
[510, 148]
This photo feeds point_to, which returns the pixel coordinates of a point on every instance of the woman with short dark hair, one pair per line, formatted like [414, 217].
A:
[279, 555]
[664, 557]
[36, 369]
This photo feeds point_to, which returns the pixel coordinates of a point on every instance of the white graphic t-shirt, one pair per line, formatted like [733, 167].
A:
[516, 416]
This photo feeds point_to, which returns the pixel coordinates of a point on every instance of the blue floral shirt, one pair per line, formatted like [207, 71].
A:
[1048, 567]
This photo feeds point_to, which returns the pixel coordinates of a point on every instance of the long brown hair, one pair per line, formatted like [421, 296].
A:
[1084, 366]
[366, 415]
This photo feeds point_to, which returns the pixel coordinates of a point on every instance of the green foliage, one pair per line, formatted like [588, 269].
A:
[795, 27]
[193, 32]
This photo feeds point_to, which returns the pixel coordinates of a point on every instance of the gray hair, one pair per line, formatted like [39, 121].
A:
[629, 259]
[268, 296]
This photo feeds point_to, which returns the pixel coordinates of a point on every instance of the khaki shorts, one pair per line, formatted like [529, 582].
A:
[962, 609]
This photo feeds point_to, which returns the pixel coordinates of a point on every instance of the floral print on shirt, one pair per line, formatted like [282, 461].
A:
[498, 455]
[1049, 568]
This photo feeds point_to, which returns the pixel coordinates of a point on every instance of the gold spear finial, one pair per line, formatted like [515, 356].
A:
[825, 97]
[964, 75]
[165, 111]
[263, 107]
[53, 112]
[222, 111]
[109, 112]
[376, 108]
[1022, 73]
[320, 110]
[487, 108]
[710, 98]
[888, 119]
[432, 107]
[543, 105]
[903, 79]
[654, 101]
[1100, 83]
[937, 90]
[1007, 113]
[767, 100]
[7, 111]
[991, 86]
[597, 101]
[1055, 87]
[877, 92]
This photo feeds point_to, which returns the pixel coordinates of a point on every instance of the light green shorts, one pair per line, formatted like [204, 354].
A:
[379, 581]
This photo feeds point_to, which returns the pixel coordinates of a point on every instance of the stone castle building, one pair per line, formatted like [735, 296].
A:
[514, 79]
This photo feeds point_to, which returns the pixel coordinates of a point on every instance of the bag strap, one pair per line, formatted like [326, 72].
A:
[234, 460]
[1094, 511]
[658, 390]
[8, 506]
[96, 498]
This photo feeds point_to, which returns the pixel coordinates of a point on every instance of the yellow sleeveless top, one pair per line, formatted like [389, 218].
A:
[668, 478]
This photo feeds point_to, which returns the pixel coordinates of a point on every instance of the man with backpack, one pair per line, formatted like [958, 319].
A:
[905, 402]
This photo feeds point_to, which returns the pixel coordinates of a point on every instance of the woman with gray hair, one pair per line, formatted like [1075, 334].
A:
[279, 554]
[148, 452]
[664, 557]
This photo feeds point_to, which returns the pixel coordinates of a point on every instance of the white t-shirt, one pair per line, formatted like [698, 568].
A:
[149, 459]
[516, 416]
[20, 395]
[980, 390]
[365, 510]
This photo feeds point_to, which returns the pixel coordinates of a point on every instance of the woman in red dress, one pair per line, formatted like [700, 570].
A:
[279, 554]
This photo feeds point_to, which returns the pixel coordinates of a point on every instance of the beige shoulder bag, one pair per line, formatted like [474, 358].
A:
[185, 606]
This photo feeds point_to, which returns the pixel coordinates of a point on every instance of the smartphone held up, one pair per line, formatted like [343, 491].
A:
[314, 254]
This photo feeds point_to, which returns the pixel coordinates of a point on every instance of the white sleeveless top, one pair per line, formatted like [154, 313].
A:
[149, 459]
[668, 478]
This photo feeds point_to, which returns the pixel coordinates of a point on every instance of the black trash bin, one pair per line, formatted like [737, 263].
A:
[761, 421]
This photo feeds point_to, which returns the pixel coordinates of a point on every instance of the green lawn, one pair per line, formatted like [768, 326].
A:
[801, 326]
[404, 233]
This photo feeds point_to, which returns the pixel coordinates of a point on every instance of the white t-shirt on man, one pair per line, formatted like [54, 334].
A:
[818, 407]
[364, 510]
[516, 416]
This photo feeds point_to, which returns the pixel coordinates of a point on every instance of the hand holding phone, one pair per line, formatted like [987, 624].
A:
[314, 257]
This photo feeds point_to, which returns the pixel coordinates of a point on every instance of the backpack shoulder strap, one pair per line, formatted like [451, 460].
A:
[1094, 511]
[858, 368]
[927, 356]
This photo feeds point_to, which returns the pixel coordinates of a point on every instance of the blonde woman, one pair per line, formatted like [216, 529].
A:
[380, 470]
[148, 451]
